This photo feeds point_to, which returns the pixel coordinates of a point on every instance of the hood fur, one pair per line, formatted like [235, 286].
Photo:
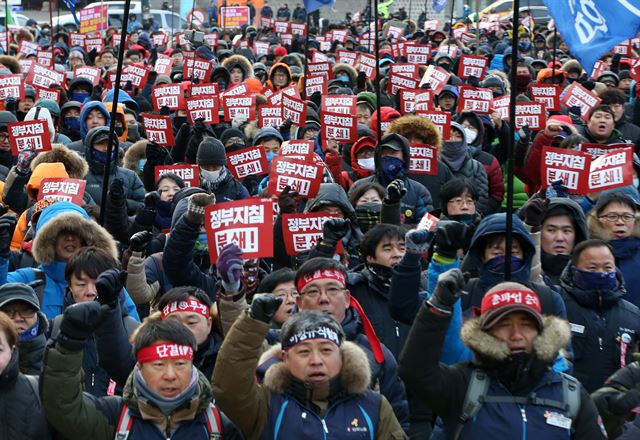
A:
[10, 63]
[75, 165]
[136, 152]
[597, 231]
[246, 66]
[417, 126]
[348, 69]
[91, 234]
[251, 130]
[554, 337]
[355, 374]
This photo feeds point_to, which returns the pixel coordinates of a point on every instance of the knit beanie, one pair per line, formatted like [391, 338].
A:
[211, 152]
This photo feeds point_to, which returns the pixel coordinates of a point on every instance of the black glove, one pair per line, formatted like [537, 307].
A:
[155, 154]
[109, 284]
[199, 126]
[534, 211]
[334, 230]
[361, 81]
[447, 291]
[264, 307]
[165, 111]
[96, 93]
[7, 225]
[11, 104]
[287, 201]
[396, 190]
[78, 324]
[451, 236]
[286, 126]
[140, 240]
[151, 200]
[116, 189]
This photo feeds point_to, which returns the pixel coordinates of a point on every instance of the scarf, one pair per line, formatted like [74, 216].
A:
[167, 406]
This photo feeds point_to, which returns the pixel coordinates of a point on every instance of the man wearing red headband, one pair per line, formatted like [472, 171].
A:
[508, 390]
[164, 397]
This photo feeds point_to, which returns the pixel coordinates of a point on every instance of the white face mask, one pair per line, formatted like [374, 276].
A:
[368, 164]
[210, 175]
[470, 135]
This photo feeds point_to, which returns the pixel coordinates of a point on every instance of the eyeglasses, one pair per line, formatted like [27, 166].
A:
[459, 201]
[284, 293]
[331, 292]
[24, 313]
[614, 217]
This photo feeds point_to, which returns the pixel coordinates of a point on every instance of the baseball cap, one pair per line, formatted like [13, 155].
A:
[500, 302]
[18, 292]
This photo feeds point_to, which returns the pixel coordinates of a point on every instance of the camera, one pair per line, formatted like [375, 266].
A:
[195, 37]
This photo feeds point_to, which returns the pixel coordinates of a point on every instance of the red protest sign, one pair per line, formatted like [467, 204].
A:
[475, 99]
[204, 89]
[167, 95]
[296, 148]
[451, 50]
[158, 129]
[597, 150]
[163, 65]
[319, 57]
[501, 105]
[261, 47]
[398, 82]
[436, 77]
[203, 107]
[423, 159]
[367, 64]
[301, 232]
[52, 94]
[88, 72]
[28, 47]
[347, 57]
[405, 69]
[546, 94]
[276, 98]
[394, 31]
[428, 222]
[66, 190]
[294, 109]
[530, 114]
[577, 95]
[189, 173]
[29, 135]
[568, 165]
[340, 35]
[96, 43]
[398, 49]
[431, 25]
[137, 74]
[410, 98]
[248, 162]
[11, 85]
[345, 104]
[77, 40]
[281, 26]
[299, 29]
[44, 77]
[304, 177]
[160, 39]
[238, 89]
[471, 65]
[316, 83]
[270, 116]
[319, 68]
[611, 170]
[44, 57]
[339, 127]
[243, 106]
[418, 53]
[598, 68]
[247, 223]
[196, 69]
[442, 120]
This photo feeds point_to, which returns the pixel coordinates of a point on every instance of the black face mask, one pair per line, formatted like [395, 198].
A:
[178, 121]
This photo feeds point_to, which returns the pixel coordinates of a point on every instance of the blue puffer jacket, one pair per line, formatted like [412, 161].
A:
[627, 252]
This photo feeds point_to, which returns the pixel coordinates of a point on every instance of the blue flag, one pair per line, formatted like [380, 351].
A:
[314, 5]
[591, 28]
[71, 6]
[439, 5]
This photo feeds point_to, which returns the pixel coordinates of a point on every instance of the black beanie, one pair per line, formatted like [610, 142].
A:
[211, 152]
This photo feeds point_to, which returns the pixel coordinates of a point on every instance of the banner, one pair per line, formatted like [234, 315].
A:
[248, 162]
[345, 104]
[546, 94]
[314, 5]
[442, 120]
[88, 72]
[189, 173]
[234, 16]
[243, 106]
[530, 114]
[66, 190]
[159, 129]
[247, 223]
[304, 177]
[11, 85]
[437, 78]
[203, 107]
[423, 159]
[93, 18]
[339, 127]
[301, 232]
[475, 100]
[577, 95]
[167, 95]
[30, 135]
[471, 65]
[270, 116]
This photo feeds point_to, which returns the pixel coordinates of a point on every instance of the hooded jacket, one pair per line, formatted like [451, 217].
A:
[44, 114]
[275, 409]
[599, 320]
[444, 388]
[241, 62]
[269, 85]
[121, 116]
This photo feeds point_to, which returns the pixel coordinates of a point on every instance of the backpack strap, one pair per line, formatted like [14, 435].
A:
[473, 400]
[33, 382]
[214, 423]
[571, 391]
[124, 424]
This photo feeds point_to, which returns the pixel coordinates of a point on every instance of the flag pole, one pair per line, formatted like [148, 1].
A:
[453, 2]
[6, 24]
[511, 146]
[306, 59]
[114, 112]
[555, 47]
[51, 32]
[377, 49]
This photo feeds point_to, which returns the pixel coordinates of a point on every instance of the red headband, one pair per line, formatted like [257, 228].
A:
[320, 274]
[164, 351]
[189, 305]
[510, 297]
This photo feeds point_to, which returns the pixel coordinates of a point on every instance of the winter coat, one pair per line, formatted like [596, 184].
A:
[615, 137]
[616, 400]
[598, 322]
[257, 409]
[444, 388]
[21, 413]
[80, 415]
[228, 190]
[32, 352]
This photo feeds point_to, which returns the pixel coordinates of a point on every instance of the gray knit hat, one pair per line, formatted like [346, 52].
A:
[211, 152]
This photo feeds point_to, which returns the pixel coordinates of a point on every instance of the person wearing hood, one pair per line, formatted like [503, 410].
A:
[447, 100]
[80, 89]
[121, 128]
[391, 163]
[239, 68]
[7, 159]
[457, 157]
[279, 77]
[70, 120]
[615, 220]
[513, 348]
[215, 177]
[93, 114]
[54, 111]
[123, 98]
[605, 327]
[38, 113]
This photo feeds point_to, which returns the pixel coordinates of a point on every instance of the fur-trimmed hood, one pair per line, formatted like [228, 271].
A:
[416, 126]
[597, 231]
[65, 216]
[11, 63]
[348, 69]
[554, 337]
[355, 375]
[134, 153]
[241, 62]
[75, 165]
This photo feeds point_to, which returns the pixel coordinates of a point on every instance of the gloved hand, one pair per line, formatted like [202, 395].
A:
[24, 160]
[7, 225]
[229, 267]
[361, 81]
[534, 211]
[78, 324]
[396, 190]
[11, 104]
[287, 201]
[334, 230]
[165, 111]
[286, 126]
[447, 291]
[155, 154]
[525, 134]
[109, 284]
[151, 200]
[557, 189]
[575, 113]
[116, 189]
[199, 126]
[451, 236]
[139, 241]
[417, 241]
[197, 204]
[264, 307]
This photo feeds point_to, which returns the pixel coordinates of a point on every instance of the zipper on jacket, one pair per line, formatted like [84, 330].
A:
[93, 380]
[324, 425]
[397, 332]
[600, 343]
[524, 422]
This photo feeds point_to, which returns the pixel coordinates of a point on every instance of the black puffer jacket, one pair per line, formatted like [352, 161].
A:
[21, 413]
